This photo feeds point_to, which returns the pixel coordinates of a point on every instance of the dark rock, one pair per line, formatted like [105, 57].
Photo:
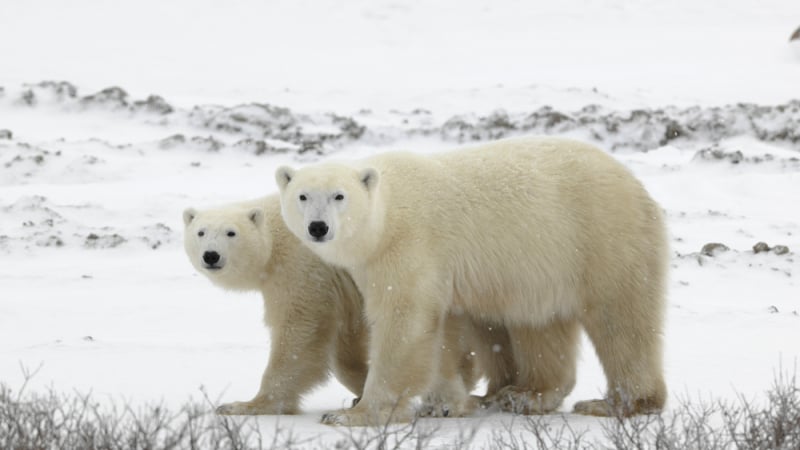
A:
[114, 96]
[761, 247]
[172, 141]
[716, 154]
[457, 127]
[258, 147]
[154, 104]
[780, 249]
[713, 249]
[311, 145]
[50, 241]
[349, 127]
[639, 129]
[673, 131]
[105, 241]
[61, 89]
[28, 97]
[209, 143]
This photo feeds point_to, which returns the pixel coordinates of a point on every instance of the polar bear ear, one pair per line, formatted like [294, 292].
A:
[256, 215]
[283, 176]
[369, 177]
[188, 215]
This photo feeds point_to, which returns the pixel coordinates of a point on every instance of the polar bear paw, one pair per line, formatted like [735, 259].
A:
[435, 410]
[449, 408]
[599, 407]
[608, 408]
[255, 407]
[363, 417]
[520, 400]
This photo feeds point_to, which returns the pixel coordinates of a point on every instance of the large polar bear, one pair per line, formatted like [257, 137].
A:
[314, 311]
[539, 235]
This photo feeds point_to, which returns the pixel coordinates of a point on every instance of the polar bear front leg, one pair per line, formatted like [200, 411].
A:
[458, 374]
[298, 362]
[405, 345]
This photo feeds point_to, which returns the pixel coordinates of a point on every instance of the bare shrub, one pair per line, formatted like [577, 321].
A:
[51, 420]
[539, 432]
[775, 425]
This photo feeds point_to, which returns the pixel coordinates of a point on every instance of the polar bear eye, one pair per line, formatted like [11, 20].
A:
[201, 233]
[339, 197]
[302, 198]
[231, 233]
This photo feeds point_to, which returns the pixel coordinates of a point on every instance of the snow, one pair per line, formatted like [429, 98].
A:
[356, 54]
[699, 99]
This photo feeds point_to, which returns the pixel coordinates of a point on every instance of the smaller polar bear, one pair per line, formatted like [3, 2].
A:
[541, 236]
[314, 311]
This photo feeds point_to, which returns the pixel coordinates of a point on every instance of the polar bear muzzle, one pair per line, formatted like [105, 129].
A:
[318, 229]
[211, 259]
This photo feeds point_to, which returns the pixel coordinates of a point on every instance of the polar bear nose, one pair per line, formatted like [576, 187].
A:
[210, 258]
[318, 229]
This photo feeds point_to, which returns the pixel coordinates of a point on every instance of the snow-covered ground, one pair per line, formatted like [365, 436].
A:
[700, 99]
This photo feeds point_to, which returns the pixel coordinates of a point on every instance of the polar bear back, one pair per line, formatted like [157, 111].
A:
[523, 221]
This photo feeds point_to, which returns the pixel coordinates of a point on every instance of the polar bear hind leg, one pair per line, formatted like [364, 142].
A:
[545, 367]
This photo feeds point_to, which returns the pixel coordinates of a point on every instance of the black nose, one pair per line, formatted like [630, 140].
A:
[211, 258]
[318, 229]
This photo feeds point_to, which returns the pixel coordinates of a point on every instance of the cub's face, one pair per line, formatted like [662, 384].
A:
[230, 247]
[328, 207]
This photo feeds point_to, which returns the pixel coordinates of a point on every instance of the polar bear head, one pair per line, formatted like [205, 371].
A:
[332, 208]
[229, 245]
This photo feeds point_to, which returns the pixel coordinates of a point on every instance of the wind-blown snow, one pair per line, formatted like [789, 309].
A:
[463, 55]
[113, 119]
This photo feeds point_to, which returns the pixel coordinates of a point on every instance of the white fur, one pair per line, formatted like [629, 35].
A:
[539, 235]
[314, 311]
[243, 256]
